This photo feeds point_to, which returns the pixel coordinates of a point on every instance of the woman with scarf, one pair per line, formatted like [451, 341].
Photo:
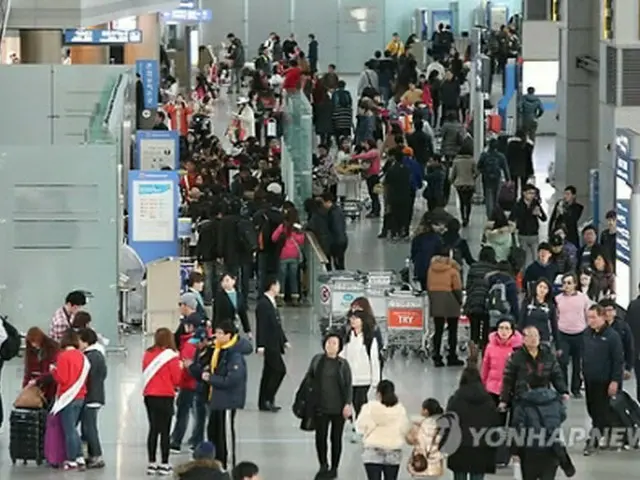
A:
[229, 304]
[224, 370]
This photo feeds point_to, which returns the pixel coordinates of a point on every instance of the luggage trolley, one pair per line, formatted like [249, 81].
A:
[350, 190]
[337, 291]
[407, 324]
[378, 286]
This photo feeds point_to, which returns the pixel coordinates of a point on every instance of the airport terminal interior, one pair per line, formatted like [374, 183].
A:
[274, 441]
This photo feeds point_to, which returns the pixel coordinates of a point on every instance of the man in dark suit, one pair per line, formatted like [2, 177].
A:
[271, 342]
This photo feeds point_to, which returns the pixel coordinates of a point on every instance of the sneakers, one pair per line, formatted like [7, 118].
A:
[152, 469]
[175, 449]
[95, 463]
[70, 465]
[82, 465]
[165, 470]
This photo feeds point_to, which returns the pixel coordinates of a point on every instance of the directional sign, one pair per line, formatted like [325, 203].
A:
[101, 37]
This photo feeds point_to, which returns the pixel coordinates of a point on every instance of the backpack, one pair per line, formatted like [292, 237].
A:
[247, 235]
[367, 345]
[11, 345]
[497, 303]
[492, 168]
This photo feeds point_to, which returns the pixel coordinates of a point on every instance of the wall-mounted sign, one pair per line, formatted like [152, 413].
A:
[188, 15]
[188, 5]
[157, 149]
[101, 37]
[623, 164]
[149, 72]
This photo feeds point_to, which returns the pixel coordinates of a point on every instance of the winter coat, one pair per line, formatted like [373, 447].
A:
[543, 316]
[318, 224]
[201, 470]
[495, 359]
[323, 116]
[423, 247]
[520, 157]
[604, 283]
[383, 427]
[530, 108]
[511, 290]
[463, 171]
[38, 368]
[444, 286]
[337, 226]
[475, 410]
[536, 411]
[536, 271]
[452, 134]
[501, 240]
[228, 383]
[293, 242]
[477, 287]
[521, 366]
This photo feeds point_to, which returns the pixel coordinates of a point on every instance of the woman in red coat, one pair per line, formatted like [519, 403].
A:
[40, 355]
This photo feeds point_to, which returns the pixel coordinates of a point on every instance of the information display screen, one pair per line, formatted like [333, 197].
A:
[541, 75]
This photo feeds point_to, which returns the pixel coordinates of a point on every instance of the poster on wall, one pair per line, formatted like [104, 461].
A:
[624, 165]
[149, 71]
[157, 149]
[153, 214]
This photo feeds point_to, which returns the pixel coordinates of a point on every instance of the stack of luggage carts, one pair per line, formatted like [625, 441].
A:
[26, 437]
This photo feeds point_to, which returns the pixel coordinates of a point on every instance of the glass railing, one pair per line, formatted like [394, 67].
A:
[97, 131]
[298, 148]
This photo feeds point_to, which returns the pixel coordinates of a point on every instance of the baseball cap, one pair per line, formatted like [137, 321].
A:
[189, 300]
[557, 241]
[204, 451]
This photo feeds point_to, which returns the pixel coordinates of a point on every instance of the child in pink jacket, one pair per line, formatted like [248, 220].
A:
[289, 235]
[501, 344]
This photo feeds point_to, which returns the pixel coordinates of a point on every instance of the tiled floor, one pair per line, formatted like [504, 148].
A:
[274, 440]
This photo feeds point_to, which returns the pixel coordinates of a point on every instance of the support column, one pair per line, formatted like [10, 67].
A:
[41, 46]
[576, 144]
[90, 54]
[149, 49]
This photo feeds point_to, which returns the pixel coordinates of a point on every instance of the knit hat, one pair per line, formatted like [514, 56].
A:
[189, 300]
[204, 451]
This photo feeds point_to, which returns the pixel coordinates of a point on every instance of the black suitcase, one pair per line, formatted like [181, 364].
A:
[26, 436]
[627, 409]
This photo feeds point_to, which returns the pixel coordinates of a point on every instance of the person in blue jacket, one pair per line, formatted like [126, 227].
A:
[503, 275]
[223, 369]
[417, 177]
[543, 267]
[425, 244]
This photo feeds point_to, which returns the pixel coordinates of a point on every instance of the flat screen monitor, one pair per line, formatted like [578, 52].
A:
[541, 75]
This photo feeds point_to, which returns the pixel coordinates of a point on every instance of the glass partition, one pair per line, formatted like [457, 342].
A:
[98, 131]
[297, 149]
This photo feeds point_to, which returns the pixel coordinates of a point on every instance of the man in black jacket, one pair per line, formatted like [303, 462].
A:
[602, 370]
[532, 358]
[633, 320]
[271, 342]
[338, 231]
[527, 215]
[208, 253]
[266, 219]
[567, 212]
[236, 254]
[421, 143]
[623, 329]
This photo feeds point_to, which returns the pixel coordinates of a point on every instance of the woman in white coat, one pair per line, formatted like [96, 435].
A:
[362, 352]
[384, 424]
[246, 119]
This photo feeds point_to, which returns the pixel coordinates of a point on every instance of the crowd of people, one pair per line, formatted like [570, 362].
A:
[543, 318]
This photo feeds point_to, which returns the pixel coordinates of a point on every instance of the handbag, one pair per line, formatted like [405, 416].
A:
[30, 397]
[425, 461]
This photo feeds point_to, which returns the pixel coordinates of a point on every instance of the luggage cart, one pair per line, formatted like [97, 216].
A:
[407, 324]
[336, 292]
[379, 284]
[350, 191]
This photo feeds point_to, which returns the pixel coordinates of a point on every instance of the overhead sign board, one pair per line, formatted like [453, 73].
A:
[188, 15]
[101, 37]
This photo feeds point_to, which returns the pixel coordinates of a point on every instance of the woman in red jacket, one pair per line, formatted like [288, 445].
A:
[70, 373]
[162, 373]
[40, 356]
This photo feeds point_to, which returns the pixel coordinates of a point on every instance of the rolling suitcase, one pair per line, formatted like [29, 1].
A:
[26, 437]
[627, 409]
